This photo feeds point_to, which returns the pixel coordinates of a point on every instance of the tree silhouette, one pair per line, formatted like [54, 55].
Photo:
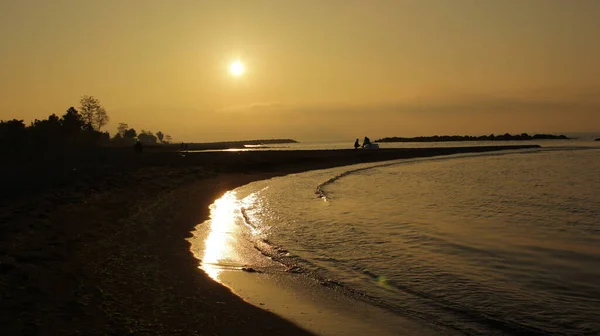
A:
[51, 135]
[168, 139]
[130, 134]
[93, 113]
[47, 132]
[147, 137]
[160, 136]
[12, 127]
[122, 128]
[125, 135]
[12, 133]
[72, 122]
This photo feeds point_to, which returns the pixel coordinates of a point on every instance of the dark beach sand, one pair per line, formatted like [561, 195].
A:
[97, 246]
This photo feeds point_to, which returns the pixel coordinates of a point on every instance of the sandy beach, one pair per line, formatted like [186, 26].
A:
[108, 255]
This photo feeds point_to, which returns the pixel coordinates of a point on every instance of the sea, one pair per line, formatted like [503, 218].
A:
[503, 243]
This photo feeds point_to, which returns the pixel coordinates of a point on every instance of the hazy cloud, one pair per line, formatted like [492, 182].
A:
[254, 107]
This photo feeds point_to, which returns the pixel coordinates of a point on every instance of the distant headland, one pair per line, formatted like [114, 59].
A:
[491, 137]
[262, 143]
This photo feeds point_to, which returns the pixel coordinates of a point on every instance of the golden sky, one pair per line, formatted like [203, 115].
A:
[315, 69]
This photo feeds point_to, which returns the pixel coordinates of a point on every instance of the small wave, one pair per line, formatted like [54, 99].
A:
[246, 219]
[296, 264]
[321, 193]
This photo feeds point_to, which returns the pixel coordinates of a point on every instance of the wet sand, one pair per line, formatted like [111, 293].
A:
[108, 254]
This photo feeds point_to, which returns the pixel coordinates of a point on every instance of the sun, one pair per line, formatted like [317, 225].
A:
[236, 68]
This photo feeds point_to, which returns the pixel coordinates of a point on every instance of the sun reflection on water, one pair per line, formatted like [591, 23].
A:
[218, 251]
[228, 228]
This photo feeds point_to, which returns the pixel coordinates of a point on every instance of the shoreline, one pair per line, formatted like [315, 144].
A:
[116, 261]
[225, 253]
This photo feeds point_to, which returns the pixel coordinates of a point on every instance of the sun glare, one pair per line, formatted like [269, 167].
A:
[236, 68]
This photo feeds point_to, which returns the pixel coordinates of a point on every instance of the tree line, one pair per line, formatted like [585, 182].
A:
[76, 128]
[491, 137]
[126, 135]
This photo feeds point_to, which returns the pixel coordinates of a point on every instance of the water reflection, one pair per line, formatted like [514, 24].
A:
[219, 243]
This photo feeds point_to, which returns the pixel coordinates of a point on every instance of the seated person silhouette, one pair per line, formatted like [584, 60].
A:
[366, 142]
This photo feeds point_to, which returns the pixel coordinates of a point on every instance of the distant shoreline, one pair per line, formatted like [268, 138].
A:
[491, 137]
[229, 144]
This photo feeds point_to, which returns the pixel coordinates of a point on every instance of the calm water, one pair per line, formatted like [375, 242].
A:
[480, 244]
[579, 140]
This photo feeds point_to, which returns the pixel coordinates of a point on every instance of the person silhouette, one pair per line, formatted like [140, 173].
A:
[356, 144]
[366, 142]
